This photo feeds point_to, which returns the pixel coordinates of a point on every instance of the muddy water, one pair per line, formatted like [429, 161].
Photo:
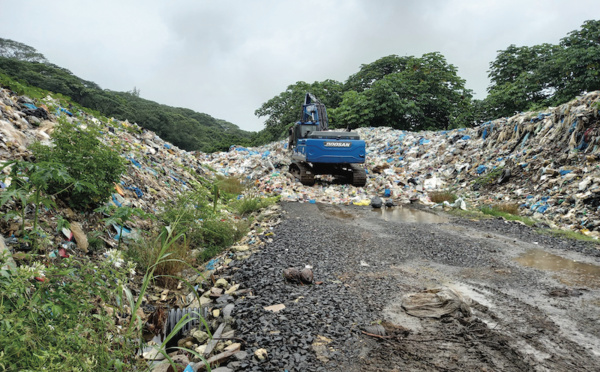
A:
[569, 272]
[402, 214]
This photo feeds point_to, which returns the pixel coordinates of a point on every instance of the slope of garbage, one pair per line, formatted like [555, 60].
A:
[545, 162]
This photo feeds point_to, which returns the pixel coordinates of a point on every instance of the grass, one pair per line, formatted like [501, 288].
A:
[568, 234]
[147, 251]
[442, 196]
[230, 185]
[252, 203]
[489, 178]
[501, 212]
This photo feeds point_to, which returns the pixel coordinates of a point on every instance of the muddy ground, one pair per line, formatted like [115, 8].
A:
[535, 299]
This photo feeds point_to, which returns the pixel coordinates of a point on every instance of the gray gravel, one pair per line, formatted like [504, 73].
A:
[363, 265]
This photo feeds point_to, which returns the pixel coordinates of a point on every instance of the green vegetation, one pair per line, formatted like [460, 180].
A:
[416, 93]
[64, 322]
[489, 178]
[92, 167]
[250, 203]
[499, 212]
[568, 234]
[184, 128]
[442, 196]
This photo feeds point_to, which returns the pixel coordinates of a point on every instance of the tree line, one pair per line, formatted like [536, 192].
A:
[426, 93]
[185, 128]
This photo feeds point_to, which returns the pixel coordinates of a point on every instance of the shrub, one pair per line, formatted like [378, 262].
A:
[93, 166]
[230, 185]
[63, 323]
[252, 203]
[442, 196]
[147, 251]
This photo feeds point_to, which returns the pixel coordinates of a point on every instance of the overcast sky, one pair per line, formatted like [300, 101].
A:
[227, 57]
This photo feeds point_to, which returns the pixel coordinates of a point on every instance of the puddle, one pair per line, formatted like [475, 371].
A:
[570, 272]
[335, 212]
[409, 215]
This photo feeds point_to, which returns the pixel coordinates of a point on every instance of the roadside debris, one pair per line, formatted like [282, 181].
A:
[436, 303]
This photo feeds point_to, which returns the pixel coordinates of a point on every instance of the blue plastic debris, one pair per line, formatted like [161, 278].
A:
[30, 106]
[189, 368]
[481, 169]
[464, 138]
[211, 264]
[564, 172]
[167, 146]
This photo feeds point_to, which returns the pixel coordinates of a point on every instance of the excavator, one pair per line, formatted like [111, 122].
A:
[315, 150]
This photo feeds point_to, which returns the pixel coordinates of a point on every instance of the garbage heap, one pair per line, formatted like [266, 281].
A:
[547, 163]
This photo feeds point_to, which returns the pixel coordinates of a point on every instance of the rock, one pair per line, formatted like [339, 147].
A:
[180, 360]
[221, 283]
[200, 336]
[294, 275]
[227, 310]
[216, 313]
[275, 308]
[240, 355]
[261, 354]
[222, 369]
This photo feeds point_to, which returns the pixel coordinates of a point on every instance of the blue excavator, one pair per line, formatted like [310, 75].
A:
[316, 150]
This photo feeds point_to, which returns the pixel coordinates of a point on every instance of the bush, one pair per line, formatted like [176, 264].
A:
[93, 166]
[442, 196]
[249, 204]
[146, 251]
[218, 235]
[64, 323]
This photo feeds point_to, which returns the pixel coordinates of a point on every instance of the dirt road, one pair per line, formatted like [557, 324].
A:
[535, 299]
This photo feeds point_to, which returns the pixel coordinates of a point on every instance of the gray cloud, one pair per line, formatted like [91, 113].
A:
[226, 58]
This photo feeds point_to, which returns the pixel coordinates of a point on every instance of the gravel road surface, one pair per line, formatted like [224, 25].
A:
[534, 299]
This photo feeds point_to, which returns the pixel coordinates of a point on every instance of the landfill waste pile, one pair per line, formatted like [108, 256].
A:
[545, 162]
[157, 174]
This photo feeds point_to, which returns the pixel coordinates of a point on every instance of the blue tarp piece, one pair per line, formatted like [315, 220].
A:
[167, 146]
[116, 201]
[484, 133]
[211, 264]
[573, 127]
[30, 106]
[499, 159]
[390, 160]
[523, 165]
[312, 201]
[266, 153]
[423, 141]
[60, 109]
[466, 138]
[525, 139]
[481, 169]
[135, 162]
[401, 158]
[401, 137]
[136, 190]
[387, 193]
[461, 130]
[121, 230]
[564, 172]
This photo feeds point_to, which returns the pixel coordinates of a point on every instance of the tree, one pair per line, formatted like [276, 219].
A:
[575, 68]
[525, 78]
[20, 51]
[417, 93]
[284, 109]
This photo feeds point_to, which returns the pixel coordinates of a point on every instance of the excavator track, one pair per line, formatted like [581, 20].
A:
[359, 176]
[303, 173]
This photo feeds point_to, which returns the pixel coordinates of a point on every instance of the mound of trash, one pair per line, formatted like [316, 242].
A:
[546, 163]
